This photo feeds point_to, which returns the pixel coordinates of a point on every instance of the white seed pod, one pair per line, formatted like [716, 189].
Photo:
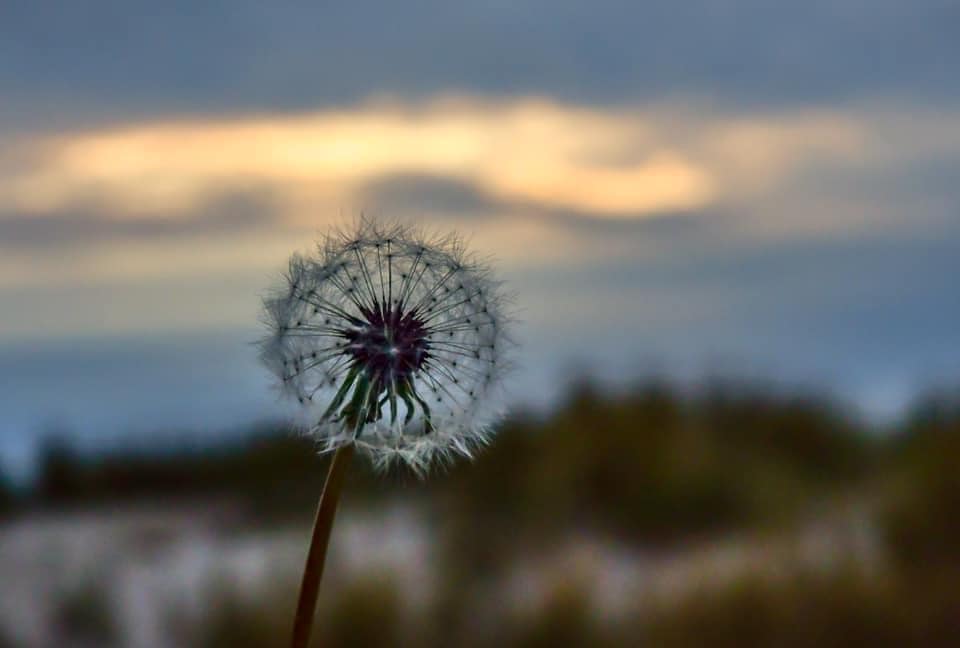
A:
[392, 341]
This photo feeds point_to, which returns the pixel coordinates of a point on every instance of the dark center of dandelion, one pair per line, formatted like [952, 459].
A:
[389, 346]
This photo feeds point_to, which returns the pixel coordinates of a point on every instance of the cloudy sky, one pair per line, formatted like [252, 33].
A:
[764, 188]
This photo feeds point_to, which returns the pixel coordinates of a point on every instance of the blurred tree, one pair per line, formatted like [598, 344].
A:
[922, 512]
[920, 516]
[654, 465]
[60, 472]
[7, 497]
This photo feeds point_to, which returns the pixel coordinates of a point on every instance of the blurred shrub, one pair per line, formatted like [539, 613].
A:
[652, 463]
[655, 465]
[650, 467]
[277, 473]
[83, 616]
[565, 620]
[839, 609]
[5, 640]
[7, 498]
[61, 473]
[922, 505]
[920, 516]
[241, 622]
[365, 614]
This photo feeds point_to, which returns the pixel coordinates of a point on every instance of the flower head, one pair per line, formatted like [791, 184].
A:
[389, 340]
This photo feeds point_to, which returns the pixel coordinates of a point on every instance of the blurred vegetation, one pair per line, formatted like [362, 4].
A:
[365, 613]
[269, 467]
[651, 465]
[83, 613]
[839, 609]
[564, 620]
[654, 469]
[922, 505]
[655, 466]
[240, 622]
[6, 641]
[7, 498]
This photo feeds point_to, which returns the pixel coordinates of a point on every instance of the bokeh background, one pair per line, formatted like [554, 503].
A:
[733, 229]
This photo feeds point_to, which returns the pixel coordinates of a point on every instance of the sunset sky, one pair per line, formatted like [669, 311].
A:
[761, 189]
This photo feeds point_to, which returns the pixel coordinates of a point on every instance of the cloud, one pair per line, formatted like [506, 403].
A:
[138, 59]
[821, 242]
[416, 194]
[536, 181]
[611, 163]
[84, 225]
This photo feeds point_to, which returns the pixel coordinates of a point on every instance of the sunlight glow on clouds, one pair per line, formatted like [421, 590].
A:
[539, 184]
[606, 163]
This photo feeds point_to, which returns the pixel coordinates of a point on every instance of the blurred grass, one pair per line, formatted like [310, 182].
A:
[840, 609]
[366, 613]
[84, 614]
[653, 469]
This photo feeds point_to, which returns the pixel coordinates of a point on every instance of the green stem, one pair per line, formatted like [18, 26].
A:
[313, 570]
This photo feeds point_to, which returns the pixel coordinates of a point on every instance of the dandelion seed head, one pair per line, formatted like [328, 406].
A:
[392, 340]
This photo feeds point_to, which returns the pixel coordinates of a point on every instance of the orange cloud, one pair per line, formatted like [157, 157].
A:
[518, 161]
[531, 152]
[533, 156]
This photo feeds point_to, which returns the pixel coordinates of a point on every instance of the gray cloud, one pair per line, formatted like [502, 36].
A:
[857, 311]
[406, 196]
[83, 224]
[856, 314]
[414, 193]
[67, 61]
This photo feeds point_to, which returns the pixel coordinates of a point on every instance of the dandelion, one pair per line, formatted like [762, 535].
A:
[390, 342]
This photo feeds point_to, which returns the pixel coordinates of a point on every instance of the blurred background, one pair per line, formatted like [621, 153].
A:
[733, 230]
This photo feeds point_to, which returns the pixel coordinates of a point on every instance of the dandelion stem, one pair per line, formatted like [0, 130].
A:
[313, 570]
